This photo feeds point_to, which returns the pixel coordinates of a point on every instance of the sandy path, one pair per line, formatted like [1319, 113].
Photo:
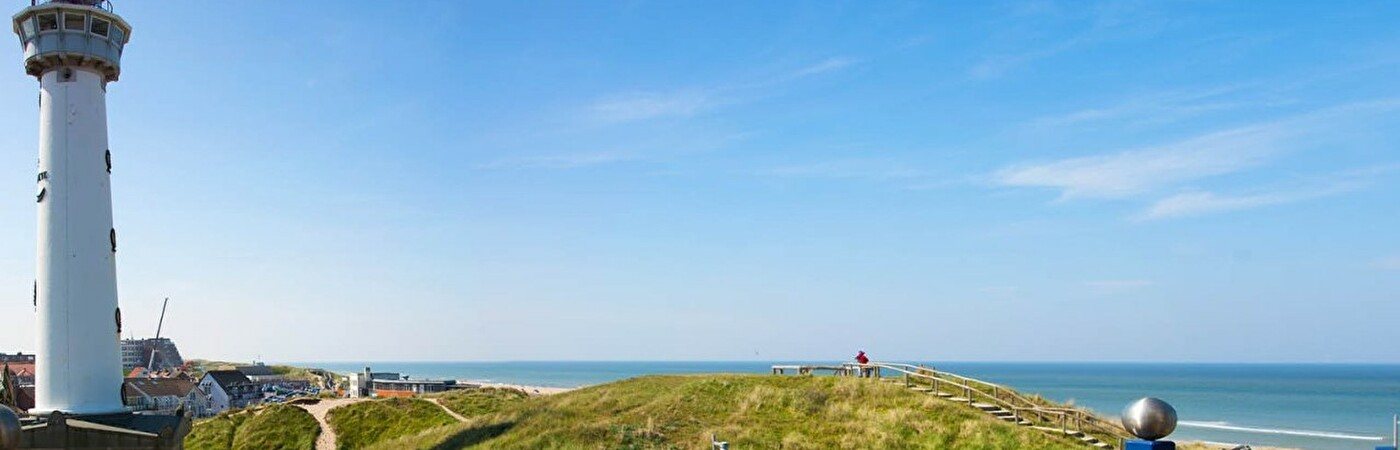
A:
[450, 412]
[326, 441]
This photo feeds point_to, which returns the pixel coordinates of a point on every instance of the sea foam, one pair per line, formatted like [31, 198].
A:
[1308, 433]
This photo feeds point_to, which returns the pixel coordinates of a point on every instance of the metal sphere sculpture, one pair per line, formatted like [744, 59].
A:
[9, 428]
[1149, 419]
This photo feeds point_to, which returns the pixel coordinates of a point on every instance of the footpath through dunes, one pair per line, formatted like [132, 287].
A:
[275, 427]
[748, 411]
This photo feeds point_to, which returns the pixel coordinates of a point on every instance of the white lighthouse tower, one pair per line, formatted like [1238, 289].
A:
[74, 48]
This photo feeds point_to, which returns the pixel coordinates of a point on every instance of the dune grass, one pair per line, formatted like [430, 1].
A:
[749, 411]
[278, 427]
[361, 424]
[474, 402]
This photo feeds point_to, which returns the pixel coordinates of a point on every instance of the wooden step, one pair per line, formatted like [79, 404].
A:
[957, 399]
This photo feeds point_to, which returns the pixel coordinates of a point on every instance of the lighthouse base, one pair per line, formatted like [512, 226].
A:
[122, 431]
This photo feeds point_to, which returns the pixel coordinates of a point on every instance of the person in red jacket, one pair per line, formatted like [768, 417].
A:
[862, 359]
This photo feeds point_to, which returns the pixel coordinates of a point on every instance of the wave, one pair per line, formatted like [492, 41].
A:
[1307, 433]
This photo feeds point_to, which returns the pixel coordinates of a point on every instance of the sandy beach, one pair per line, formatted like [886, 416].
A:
[532, 390]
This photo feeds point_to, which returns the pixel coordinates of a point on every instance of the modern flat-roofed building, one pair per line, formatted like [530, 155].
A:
[409, 388]
[360, 384]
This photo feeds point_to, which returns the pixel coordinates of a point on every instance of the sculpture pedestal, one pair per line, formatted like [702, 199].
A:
[1136, 444]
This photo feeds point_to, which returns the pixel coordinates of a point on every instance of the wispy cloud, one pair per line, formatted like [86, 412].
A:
[1133, 172]
[1115, 20]
[827, 65]
[1154, 108]
[874, 169]
[1116, 286]
[1388, 263]
[1140, 171]
[651, 105]
[559, 161]
[1202, 202]
[640, 106]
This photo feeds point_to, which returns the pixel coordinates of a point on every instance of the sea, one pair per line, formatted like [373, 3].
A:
[1310, 406]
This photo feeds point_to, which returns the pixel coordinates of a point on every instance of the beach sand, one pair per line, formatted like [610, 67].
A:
[532, 390]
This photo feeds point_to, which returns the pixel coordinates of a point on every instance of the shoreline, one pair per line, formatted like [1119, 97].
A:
[532, 390]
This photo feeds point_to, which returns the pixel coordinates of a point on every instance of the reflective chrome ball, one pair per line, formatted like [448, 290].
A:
[1149, 419]
[9, 429]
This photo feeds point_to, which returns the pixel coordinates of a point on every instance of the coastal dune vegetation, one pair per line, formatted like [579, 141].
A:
[361, 424]
[275, 427]
[748, 411]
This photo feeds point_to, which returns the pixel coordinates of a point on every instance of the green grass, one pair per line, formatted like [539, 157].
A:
[475, 402]
[215, 433]
[361, 424]
[749, 411]
[278, 427]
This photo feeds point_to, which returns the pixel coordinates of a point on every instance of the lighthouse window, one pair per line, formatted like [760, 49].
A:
[74, 21]
[48, 22]
[99, 27]
[118, 35]
[26, 26]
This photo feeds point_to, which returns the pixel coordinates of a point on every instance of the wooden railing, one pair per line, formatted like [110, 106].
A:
[972, 389]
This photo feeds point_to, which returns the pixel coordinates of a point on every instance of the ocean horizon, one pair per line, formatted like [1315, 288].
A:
[1327, 406]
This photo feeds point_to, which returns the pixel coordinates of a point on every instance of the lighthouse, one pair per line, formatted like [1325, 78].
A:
[74, 48]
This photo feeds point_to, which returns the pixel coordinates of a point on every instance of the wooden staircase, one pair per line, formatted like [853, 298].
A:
[997, 401]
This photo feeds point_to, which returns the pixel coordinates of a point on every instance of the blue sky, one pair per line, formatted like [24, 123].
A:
[441, 180]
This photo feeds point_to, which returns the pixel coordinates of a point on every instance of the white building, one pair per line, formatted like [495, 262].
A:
[166, 395]
[361, 384]
[229, 389]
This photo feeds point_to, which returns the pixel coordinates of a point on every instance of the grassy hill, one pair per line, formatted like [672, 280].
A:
[278, 427]
[475, 402]
[361, 424]
[749, 411]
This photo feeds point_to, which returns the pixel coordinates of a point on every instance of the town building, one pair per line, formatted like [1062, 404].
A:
[369, 383]
[269, 379]
[165, 395]
[18, 357]
[410, 388]
[154, 354]
[360, 384]
[229, 389]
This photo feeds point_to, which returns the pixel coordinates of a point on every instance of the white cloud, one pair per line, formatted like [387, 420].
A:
[560, 161]
[650, 105]
[1141, 171]
[1116, 286]
[1154, 108]
[1137, 171]
[1199, 203]
[877, 169]
[827, 65]
[1389, 263]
